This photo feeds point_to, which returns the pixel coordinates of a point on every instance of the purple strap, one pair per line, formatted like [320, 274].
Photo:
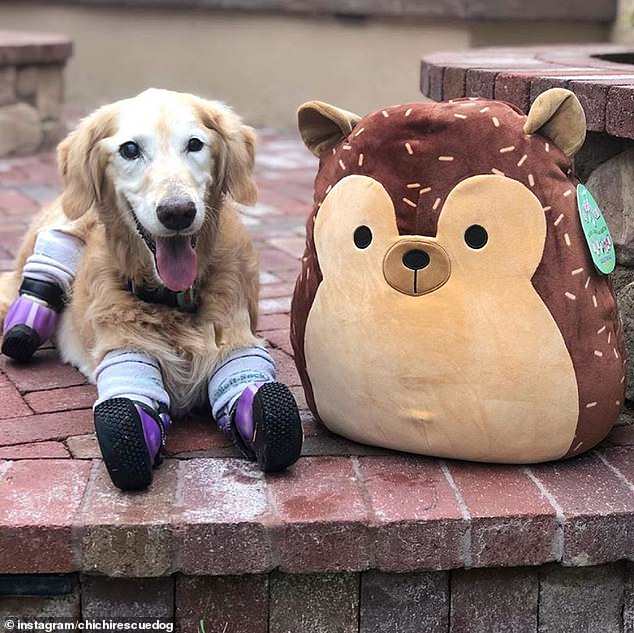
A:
[244, 413]
[152, 431]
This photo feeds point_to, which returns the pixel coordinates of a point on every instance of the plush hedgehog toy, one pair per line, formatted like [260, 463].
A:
[448, 304]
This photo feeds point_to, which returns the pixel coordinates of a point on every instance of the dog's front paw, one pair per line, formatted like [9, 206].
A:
[266, 426]
[28, 324]
[131, 436]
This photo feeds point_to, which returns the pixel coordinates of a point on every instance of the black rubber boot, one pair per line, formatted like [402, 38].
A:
[20, 343]
[131, 436]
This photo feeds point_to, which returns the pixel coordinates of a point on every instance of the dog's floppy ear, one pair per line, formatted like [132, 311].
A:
[322, 125]
[81, 163]
[239, 162]
[234, 163]
[557, 114]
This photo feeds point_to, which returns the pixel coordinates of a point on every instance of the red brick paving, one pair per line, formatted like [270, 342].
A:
[49, 400]
[13, 202]
[38, 502]
[13, 405]
[43, 372]
[46, 426]
[121, 534]
[195, 437]
[83, 446]
[36, 450]
[415, 509]
[493, 491]
[343, 507]
[325, 521]
[236, 603]
[597, 506]
[222, 516]
[279, 339]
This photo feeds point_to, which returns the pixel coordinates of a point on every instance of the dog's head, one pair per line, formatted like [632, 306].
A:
[155, 168]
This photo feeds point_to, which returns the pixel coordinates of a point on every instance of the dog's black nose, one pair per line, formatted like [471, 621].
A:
[416, 259]
[176, 214]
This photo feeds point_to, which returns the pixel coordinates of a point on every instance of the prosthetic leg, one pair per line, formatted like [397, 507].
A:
[46, 280]
[131, 417]
[260, 414]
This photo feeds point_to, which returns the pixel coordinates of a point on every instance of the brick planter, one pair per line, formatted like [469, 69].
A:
[602, 76]
[352, 539]
[31, 90]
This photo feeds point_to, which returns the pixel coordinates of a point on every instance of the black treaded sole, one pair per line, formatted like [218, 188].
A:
[20, 343]
[278, 427]
[122, 443]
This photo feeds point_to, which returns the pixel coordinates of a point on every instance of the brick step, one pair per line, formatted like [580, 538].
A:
[222, 516]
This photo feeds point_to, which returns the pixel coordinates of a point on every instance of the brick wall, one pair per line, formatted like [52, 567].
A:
[547, 599]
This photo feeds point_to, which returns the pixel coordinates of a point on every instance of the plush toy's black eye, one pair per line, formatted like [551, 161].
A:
[362, 236]
[130, 150]
[476, 236]
[194, 145]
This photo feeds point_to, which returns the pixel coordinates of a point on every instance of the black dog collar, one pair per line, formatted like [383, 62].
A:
[184, 300]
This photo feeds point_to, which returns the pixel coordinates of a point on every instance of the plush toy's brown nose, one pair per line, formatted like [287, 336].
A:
[176, 214]
[416, 266]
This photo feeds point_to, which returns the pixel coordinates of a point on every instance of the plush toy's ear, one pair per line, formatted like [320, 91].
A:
[557, 114]
[322, 125]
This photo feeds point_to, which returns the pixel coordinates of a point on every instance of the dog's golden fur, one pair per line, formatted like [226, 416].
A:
[102, 315]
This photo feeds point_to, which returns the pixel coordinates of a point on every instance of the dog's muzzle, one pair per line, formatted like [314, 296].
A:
[176, 213]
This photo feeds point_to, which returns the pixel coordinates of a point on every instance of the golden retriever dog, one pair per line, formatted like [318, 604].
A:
[150, 188]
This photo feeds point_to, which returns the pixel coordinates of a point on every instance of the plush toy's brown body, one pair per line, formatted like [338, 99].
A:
[508, 350]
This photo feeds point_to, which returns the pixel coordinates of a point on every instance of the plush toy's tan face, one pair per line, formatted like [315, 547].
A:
[356, 235]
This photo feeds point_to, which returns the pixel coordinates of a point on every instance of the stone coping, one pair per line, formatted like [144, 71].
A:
[19, 48]
[569, 10]
[343, 507]
[602, 76]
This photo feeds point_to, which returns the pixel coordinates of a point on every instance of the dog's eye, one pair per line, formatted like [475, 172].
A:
[130, 150]
[362, 236]
[194, 145]
[476, 236]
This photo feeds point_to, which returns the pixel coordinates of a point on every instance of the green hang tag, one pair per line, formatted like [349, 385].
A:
[596, 231]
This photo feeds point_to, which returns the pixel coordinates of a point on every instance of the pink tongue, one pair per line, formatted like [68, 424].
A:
[176, 262]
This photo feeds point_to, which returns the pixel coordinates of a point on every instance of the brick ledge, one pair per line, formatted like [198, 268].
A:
[392, 513]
